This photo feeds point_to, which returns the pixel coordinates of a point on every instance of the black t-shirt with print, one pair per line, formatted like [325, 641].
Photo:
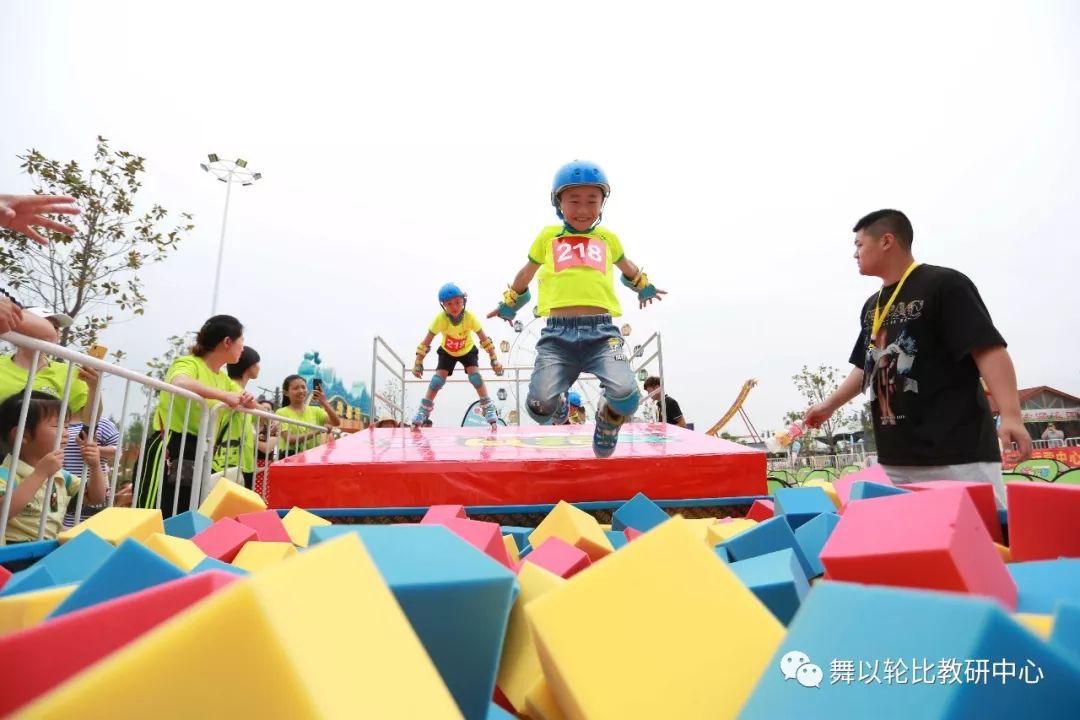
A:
[928, 404]
[673, 411]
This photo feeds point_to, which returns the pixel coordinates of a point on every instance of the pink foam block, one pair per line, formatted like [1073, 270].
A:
[1044, 521]
[761, 510]
[559, 557]
[874, 473]
[437, 513]
[932, 540]
[631, 533]
[483, 535]
[5, 575]
[223, 539]
[39, 658]
[982, 494]
[267, 526]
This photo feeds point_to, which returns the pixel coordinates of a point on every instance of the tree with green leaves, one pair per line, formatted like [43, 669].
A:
[93, 273]
[816, 385]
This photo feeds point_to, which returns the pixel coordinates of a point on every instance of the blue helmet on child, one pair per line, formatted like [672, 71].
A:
[573, 174]
[574, 398]
[449, 291]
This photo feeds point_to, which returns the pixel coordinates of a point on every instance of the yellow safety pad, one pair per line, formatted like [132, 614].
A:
[519, 667]
[298, 523]
[116, 524]
[828, 487]
[720, 532]
[541, 703]
[228, 499]
[1041, 625]
[511, 549]
[179, 551]
[279, 644]
[682, 636]
[18, 612]
[575, 527]
[255, 556]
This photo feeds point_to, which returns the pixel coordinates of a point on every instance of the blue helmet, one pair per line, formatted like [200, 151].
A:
[574, 398]
[579, 172]
[449, 291]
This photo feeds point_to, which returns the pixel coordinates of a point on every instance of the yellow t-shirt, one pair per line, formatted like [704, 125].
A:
[196, 369]
[312, 414]
[576, 268]
[23, 527]
[50, 379]
[456, 339]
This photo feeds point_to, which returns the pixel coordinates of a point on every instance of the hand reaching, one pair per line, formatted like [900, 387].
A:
[22, 213]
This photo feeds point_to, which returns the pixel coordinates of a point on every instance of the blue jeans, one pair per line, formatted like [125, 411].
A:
[569, 346]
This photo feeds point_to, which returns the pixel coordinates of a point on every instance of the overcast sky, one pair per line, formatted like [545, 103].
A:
[404, 145]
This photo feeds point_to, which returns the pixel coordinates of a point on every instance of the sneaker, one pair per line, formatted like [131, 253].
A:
[422, 412]
[488, 408]
[606, 434]
[562, 412]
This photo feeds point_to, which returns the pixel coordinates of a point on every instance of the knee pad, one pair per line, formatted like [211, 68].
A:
[476, 379]
[542, 410]
[437, 381]
[625, 406]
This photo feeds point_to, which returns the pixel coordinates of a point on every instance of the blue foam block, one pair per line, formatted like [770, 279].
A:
[766, 537]
[132, 567]
[215, 564]
[869, 490]
[842, 623]
[187, 524]
[812, 536]
[520, 534]
[1066, 633]
[801, 505]
[78, 558]
[778, 581]
[722, 553]
[35, 577]
[1042, 584]
[456, 598]
[497, 713]
[524, 551]
[640, 513]
[616, 537]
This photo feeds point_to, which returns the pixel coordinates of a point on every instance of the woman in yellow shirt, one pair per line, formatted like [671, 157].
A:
[296, 438]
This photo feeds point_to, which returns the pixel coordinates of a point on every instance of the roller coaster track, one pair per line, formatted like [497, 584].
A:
[735, 408]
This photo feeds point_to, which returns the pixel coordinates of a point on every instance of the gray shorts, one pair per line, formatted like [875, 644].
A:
[989, 472]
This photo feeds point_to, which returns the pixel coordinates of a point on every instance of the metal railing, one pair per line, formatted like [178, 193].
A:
[104, 370]
[1057, 443]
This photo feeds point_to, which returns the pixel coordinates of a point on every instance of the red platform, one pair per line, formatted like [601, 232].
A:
[400, 467]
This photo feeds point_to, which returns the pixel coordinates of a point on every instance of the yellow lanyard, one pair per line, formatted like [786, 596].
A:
[881, 313]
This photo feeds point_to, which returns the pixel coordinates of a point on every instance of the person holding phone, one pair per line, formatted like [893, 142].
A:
[295, 438]
[107, 437]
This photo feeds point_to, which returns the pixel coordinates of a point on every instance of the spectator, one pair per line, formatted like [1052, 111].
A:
[236, 445]
[576, 412]
[386, 421]
[672, 414]
[295, 438]
[165, 473]
[107, 437]
[1055, 437]
[41, 486]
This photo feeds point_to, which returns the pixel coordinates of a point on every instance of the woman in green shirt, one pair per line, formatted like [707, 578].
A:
[220, 341]
[296, 438]
[236, 433]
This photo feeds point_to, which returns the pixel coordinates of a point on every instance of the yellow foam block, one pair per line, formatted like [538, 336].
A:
[1041, 625]
[683, 637]
[255, 556]
[18, 612]
[828, 487]
[541, 702]
[720, 532]
[289, 628]
[700, 526]
[228, 499]
[116, 524]
[511, 549]
[1004, 552]
[605, 527]
[298, 523]
[574, 526]
[519, 667]
[179, 551]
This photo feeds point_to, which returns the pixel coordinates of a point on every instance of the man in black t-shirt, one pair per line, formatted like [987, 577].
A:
[925, 339]
[672, 412]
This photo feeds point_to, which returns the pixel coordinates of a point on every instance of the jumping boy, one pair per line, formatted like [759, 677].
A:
[456, 325]
[577, 294]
